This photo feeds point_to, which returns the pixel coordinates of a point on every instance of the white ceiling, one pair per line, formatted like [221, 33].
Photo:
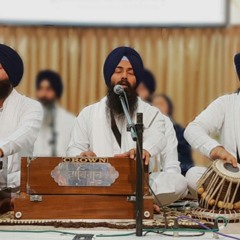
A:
[115, 12]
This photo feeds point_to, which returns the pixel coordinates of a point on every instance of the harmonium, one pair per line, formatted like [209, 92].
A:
[79, 188]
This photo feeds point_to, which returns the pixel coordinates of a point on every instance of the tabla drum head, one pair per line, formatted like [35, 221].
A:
[227, 169]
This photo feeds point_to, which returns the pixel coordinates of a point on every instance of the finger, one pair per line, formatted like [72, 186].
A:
[227, 160]
[234, 162]
[91, 154]
[132, 153]
[122, 155]
[231, 160]
[146, 157]
[88, 154]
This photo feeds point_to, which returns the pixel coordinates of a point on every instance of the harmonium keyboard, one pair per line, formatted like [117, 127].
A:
[80, 188]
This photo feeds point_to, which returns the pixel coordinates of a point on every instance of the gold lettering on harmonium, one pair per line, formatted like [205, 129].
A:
[84, 172]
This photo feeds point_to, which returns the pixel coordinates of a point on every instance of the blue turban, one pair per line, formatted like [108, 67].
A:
[115, 57]
[12, 64]
[53, 78]
[149, 81]
[237, 64]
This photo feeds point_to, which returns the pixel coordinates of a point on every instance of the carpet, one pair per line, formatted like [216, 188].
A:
[169, 218]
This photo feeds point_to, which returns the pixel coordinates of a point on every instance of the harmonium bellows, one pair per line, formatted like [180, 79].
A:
[79, 188]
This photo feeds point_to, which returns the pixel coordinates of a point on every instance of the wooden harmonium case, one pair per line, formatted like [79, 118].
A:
[79, 188]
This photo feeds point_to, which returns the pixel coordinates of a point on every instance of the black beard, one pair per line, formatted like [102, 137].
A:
[5, 88]
[47, 103]
[114, 103]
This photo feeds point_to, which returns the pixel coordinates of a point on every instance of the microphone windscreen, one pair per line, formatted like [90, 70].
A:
[118, 89]
[237, 64]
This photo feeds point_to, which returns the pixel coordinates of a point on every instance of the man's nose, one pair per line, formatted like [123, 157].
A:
[124, 74]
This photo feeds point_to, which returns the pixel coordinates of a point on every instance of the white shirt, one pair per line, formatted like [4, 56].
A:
[168, 158]
[20, 121]
[64, 122]
[92, 131]
[221, 117]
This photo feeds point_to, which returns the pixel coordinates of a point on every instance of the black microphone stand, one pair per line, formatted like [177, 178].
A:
[139, 176]
[137, 133]
[130, 126]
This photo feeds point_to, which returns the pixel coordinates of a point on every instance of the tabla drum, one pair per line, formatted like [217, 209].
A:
[219, 191]
[219, 187]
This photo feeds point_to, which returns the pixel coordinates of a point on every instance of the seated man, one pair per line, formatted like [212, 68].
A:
[54, 134]
[147, 86]
[164, 103]
[92, 134]
[221, 118]
[20, 121]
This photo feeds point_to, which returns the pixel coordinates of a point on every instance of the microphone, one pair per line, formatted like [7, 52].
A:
[237, 64]
[118, 89]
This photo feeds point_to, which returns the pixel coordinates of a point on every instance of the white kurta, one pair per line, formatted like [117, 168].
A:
[20, 121]
[167, 160]
[92, 132]
[169, 184]
[64, 122]
[221, 117]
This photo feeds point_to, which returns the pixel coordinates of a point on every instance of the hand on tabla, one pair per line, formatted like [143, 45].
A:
[220, 152]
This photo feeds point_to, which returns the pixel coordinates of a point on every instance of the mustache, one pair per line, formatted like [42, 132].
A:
[125, 83]
[46, 102]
